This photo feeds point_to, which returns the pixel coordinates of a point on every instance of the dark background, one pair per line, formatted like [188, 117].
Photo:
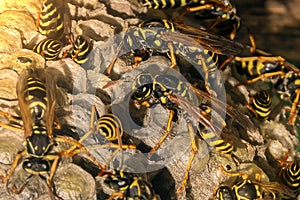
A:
[275, 25]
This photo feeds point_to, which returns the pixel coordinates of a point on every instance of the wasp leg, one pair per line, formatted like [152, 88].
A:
[213, 24]
[242, 174]
[179, 18]
[137, 61]
[57, 123]
[262, 59]
[11, 127]
[198, 8]
[119, 135]
[206, 72]
[91, 130]
[15, 190]
[77, 148]
[13, 166]
[167, 132]
[225, 63]
[119, 195]
[193, 153]
[262, 76]
[111, 65]
[53, 167]
[118, 148]
[259, 176]
[12, 118]
[252, 41]
[251, 108]
[233, 33]
[172, 55]
[65, 54]
[293, 112]
[283, 160]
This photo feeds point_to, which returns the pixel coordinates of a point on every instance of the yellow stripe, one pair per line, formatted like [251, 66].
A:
[164, 3]
[156, 3]
[51, 10]
[208, 135]
[36, 88]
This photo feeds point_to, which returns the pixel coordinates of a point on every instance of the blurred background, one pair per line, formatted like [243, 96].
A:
[275, 25]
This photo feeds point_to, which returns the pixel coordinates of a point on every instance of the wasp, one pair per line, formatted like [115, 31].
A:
[130, 187]
[37, 103]
[289, 174]
[220, 21]
[156, 92]
[219, 144]
[221, 13]
[163, 4]
[290, 85]
[144, 53]
[198, 47]
[260, 104]
[36, 91]
[267, 65]
[248, 189]
[175, 96]
[261, 67]
[52, 19]
[80, 49]
[49, 48]
[110, 127]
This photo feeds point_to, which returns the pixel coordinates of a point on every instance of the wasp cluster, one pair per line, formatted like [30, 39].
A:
[143, 100]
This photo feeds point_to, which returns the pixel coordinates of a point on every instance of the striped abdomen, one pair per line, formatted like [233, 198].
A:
[51, 21]
[208, 60]
[219, 144]
[261, 103]
[109, 126]
[290, 177]
[36, 97]
[49, 48]
[158, 4]
[81, 49]
[253, 67]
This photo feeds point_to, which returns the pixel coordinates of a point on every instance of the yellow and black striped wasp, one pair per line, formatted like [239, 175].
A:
[110, 127]
[130, 187]
[198, 47]
[248, 189]
[49, 48]
[260, 104]
[81, 47]
[262, 67]
[290, 86]
[219, 21]
[149, 91]
[265, 66]
[193, 5]
[219, 16]
[36, 97]
[53, 19]
[36, 91]
[175, 96]
[289, 175]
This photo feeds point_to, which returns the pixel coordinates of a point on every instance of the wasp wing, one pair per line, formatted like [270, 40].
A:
[222, 107]
[198, 114]
[50, 84]
[22, 91]
[198, 38]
